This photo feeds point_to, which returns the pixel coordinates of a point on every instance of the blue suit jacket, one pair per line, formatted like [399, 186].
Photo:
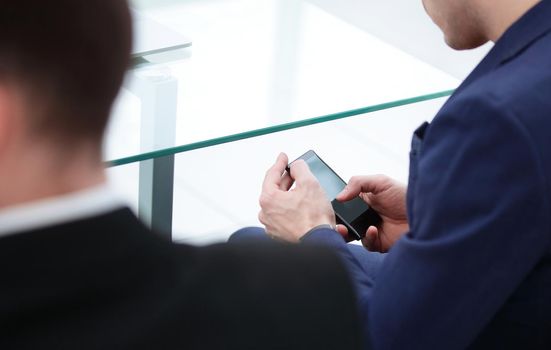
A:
[475, 268]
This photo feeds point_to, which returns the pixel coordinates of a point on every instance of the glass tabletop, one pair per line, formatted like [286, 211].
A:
[261, 66]
[205, 213]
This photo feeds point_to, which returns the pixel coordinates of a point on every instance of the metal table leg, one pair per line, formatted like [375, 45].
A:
[157, 90]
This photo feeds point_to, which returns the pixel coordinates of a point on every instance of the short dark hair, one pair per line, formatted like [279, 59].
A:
[69, 57]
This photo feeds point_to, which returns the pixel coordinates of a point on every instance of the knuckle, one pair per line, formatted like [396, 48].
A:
[265, 199]
[383, 179]
[269, 171]
[261, 217]
[354, 180]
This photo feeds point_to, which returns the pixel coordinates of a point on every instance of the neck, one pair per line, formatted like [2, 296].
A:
[497, 22]
[42, 173]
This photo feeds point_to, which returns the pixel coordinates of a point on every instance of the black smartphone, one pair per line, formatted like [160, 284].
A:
[355, 214]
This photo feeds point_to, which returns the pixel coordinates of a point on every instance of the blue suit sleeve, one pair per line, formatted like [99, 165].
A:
[360, 278]
[334, 240]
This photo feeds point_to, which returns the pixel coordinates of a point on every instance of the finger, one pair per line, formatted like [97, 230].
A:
[365, 184]
[371, 238]
[273, 177]
[367, 197]
[301, 172]
[286, 182]
[343, 231]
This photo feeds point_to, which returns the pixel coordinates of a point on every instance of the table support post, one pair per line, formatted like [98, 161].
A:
[157, 90]
[156, 193]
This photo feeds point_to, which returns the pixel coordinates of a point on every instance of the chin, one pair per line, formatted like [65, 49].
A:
[465, 44]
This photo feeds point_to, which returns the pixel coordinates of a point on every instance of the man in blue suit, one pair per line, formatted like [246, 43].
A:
[469, 241]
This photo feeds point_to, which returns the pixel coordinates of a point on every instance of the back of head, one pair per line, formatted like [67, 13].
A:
[67, 59]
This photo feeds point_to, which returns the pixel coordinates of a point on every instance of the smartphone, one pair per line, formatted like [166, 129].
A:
[355, 214]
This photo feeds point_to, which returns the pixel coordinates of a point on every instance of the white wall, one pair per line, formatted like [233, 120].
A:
[404, 24]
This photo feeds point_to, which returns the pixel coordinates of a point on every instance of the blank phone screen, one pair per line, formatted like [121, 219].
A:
[328, 180]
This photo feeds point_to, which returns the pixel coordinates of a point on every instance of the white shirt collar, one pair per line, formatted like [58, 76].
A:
[57, 210]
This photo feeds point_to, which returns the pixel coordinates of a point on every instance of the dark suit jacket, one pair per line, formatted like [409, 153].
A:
[108, 283]
[475, 269]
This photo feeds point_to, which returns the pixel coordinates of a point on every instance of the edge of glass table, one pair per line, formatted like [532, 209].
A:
[156, 174]
[170, 151]
[151, 37]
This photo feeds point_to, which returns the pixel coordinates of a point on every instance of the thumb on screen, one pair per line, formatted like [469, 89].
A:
[300, 171]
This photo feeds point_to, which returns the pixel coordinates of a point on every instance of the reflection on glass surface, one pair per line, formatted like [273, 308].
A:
[259, 63]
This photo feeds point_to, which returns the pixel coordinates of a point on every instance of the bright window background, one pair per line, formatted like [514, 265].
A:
[241, 75]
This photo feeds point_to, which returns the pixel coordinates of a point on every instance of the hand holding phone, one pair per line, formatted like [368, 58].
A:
[288, 215]
[354, 214]
[388, 198]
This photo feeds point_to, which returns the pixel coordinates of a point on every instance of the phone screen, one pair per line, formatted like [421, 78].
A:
[330, 182]
[355, 214]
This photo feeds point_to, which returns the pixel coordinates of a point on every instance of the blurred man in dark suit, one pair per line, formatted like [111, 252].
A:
[78, 270]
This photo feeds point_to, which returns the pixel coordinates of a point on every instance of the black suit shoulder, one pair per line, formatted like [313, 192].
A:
[107, 282]
[295, 297]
